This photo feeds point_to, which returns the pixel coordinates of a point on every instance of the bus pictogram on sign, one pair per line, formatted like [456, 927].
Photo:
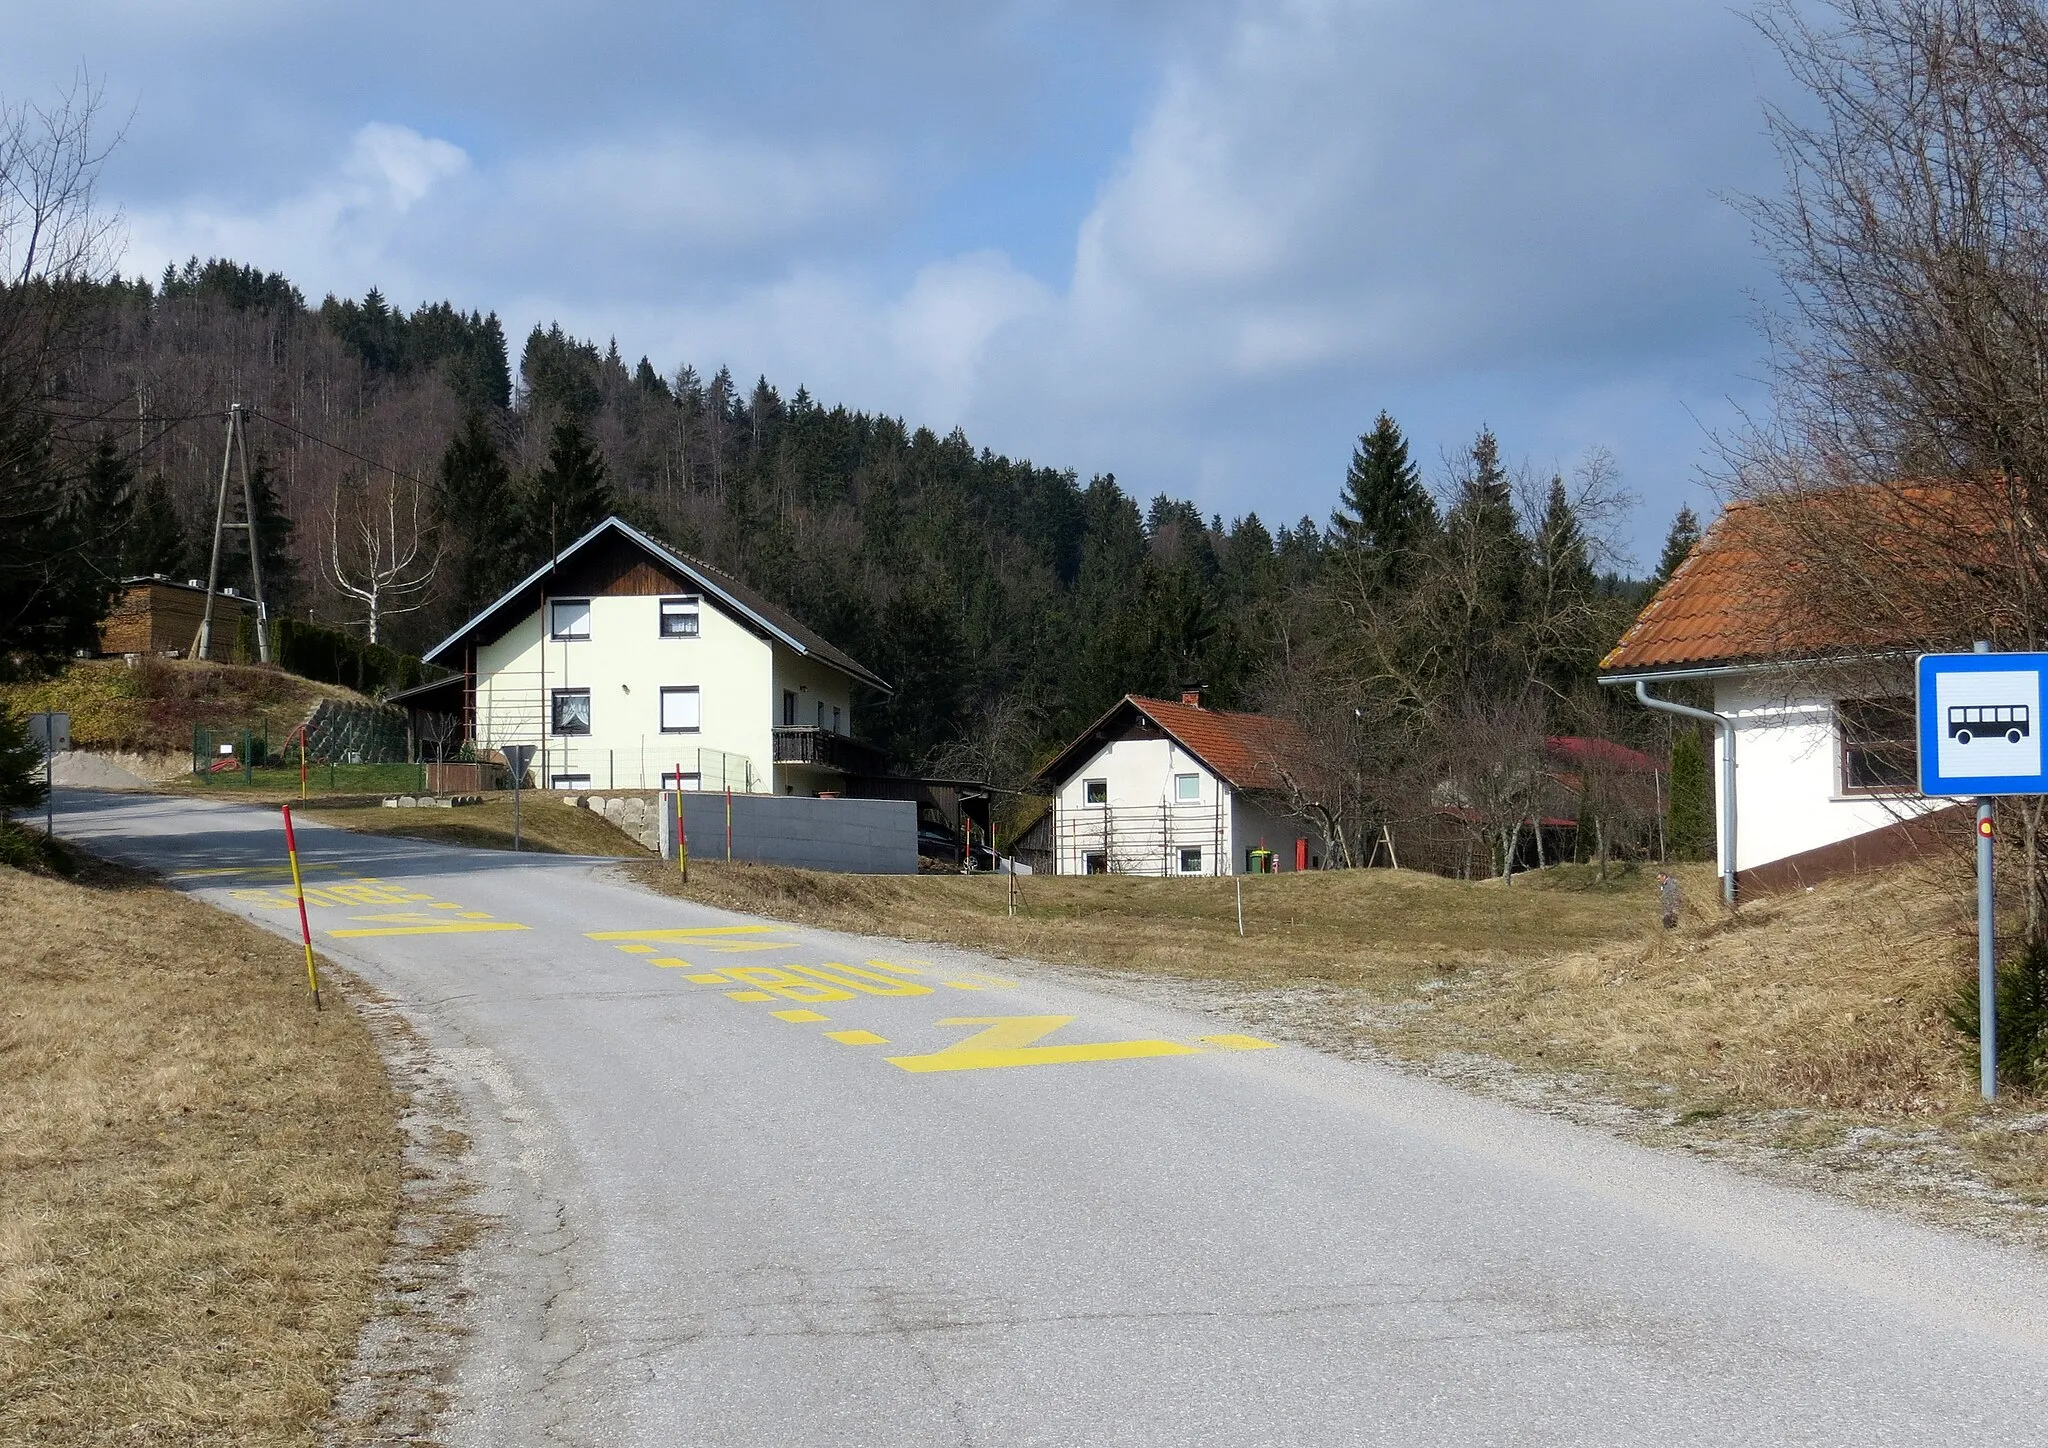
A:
[2010, 722]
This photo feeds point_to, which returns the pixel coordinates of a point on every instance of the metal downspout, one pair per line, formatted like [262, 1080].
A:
[1726, 728]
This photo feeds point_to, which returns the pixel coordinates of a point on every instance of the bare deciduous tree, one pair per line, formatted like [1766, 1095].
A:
[384, 565]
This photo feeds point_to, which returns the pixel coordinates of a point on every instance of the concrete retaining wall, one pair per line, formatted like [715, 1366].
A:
[851, 836]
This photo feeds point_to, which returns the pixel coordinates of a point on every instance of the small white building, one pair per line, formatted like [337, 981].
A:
[630, 666]
[1825, 759]
[1159, 788]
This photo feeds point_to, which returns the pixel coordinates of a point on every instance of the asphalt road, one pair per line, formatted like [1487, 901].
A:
[773, 1186]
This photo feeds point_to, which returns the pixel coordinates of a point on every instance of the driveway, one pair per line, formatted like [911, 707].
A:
[769, 1185]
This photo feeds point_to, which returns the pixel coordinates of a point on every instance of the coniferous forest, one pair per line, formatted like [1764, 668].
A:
[1009, 601]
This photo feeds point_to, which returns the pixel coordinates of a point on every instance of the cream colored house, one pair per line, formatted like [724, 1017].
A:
[629, 666]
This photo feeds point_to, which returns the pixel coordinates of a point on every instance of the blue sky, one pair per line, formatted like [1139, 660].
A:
[1199, 245]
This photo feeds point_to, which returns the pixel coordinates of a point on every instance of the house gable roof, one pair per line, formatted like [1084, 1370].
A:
[735, 597]
[1243, 750]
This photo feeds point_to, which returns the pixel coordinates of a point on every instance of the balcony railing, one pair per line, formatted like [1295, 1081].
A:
[823, 749]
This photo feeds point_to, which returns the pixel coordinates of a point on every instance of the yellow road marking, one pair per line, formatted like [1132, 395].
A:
[960, 984]
[476, 915]
[635, 949]
[1237, 1043]
[279, 870]
[696, 933]
[857, 1038]
[444, 905]
[1008, 1041]
[670, 962]
[740, 947]
[450, 927]
[799, 1017]
[901, 969]
[748, 995]
[867, 982]
[705, 979]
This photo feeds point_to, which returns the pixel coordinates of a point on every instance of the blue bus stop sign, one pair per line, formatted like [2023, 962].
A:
[1980, 724]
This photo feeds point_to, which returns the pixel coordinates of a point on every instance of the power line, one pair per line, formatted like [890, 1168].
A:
[344, 451]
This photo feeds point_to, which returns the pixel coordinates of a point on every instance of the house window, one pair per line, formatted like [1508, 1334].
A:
[789, 708]
[1095, 862]
[569, 618]
[679, 618]
[1187, 788]
[1095, 791]
[682, 710]
[1880, 750]
[568, 781]
[572, 711]
[835, 719]
[1191, 860]
[689, 780]
[821, 713]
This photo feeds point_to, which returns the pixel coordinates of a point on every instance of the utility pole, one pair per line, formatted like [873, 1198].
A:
[236, 448]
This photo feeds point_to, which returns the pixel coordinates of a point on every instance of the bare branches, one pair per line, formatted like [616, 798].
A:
[384, 568]
[51, 228]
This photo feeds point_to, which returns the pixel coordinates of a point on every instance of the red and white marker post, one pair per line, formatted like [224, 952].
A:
[291, 847]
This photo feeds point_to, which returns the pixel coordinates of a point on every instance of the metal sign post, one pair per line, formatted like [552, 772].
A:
[1979, 731]
[52, 732]
[517, 757]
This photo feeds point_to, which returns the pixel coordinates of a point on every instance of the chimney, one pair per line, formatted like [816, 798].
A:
[1191, 695]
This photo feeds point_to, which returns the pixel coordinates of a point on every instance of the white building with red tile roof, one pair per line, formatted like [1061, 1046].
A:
[1814, 762]
[1158, 787]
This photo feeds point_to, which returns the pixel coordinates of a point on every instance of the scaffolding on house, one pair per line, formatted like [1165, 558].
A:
[512, 708]
[1151, 839]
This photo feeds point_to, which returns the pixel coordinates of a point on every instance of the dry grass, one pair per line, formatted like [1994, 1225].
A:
[198, 1176]
[1825, 998]
[151, 709]
[1379, 930]
[546, 826]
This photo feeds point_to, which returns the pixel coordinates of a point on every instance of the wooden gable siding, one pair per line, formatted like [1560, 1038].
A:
[613, 568]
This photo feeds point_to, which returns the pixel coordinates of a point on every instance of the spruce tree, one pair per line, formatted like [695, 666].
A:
[477, 505]
[1689, 818]
[1385, 511]
[1678, 543]
[570, 494]
[156, 541]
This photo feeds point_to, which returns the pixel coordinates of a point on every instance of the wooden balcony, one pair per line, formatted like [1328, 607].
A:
[822, 749]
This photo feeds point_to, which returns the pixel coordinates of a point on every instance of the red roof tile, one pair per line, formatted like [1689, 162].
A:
[1246, 751]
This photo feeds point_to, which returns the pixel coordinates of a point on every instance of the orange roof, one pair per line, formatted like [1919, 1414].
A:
[1239, 748]
[1245, 751]
[1833, 571]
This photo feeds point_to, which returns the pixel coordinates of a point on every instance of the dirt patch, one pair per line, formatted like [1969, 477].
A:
[198, 1175]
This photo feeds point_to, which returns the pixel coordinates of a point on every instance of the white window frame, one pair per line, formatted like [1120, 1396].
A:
[678, 691]
[789, 708]
[1187, 789]
[578, 780]
[1089, 788]
[1196, 852]
[686, 608]
[555, 700]
[688, 779]
[555, 607]
[835, 719]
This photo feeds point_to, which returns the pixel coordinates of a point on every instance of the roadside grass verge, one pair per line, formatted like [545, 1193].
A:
[1377, 930]
[546, 825]
[198, 1175]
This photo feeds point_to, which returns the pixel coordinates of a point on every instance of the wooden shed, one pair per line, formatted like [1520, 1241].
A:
[159, 615]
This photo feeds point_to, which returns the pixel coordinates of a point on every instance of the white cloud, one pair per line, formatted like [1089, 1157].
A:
[342, 226]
